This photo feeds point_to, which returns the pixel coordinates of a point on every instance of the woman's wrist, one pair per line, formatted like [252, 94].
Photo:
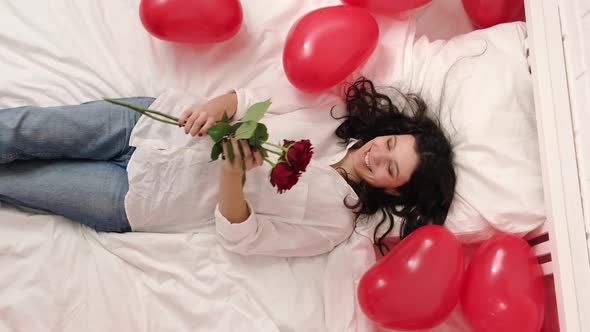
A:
[232, 202]
[231, 172]
[232, 175]
[228, 103]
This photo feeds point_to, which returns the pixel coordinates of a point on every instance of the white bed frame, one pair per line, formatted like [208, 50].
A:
[548, 21]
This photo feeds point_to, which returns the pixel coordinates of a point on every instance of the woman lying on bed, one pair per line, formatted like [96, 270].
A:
[103, 166]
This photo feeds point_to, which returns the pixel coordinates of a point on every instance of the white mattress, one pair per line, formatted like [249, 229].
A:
[60, 276]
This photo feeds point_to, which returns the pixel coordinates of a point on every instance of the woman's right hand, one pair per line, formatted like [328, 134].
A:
[197, 120]
[245, 157]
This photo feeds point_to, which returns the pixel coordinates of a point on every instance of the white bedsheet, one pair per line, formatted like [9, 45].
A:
[59, 276]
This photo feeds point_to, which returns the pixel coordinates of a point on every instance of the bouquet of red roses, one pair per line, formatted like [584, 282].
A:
[293, 156]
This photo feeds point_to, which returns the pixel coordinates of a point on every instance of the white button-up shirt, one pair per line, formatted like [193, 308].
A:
[174, 185]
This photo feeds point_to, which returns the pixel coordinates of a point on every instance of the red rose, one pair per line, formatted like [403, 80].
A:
[284, 177]
[299, 154]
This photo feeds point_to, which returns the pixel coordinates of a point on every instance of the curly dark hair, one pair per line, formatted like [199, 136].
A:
[426, 197]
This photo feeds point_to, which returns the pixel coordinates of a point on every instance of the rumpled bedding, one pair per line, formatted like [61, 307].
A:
[57, 275]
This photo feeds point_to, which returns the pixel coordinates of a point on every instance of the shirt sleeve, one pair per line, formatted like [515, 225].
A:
[260, 235]
[283, 99]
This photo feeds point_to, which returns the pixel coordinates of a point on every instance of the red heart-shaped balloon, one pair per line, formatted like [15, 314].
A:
[503, 288]
[388, 7]
[191, 21]
[486, 13]
[328, 44]
[416, 285]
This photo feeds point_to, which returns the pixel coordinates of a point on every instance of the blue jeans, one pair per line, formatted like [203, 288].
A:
[69, 160]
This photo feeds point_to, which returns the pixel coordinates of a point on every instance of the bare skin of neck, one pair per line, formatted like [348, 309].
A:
[344, 166]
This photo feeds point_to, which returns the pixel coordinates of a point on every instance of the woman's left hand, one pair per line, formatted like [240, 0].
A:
[245, 158]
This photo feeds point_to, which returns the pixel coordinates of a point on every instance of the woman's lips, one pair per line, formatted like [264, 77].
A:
[368, 160]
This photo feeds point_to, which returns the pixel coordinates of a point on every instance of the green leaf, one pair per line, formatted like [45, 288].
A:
[218, 131]
[216, 151]
[225, 118]
[246, 130]
[235, 127]
[257, 111]
[260, 135]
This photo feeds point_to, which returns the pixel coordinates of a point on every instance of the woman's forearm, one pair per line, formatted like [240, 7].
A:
[232, 203]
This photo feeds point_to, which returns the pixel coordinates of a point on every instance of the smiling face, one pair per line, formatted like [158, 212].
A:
[386, 161]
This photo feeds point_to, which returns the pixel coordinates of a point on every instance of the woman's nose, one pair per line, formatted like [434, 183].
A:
[380, 157]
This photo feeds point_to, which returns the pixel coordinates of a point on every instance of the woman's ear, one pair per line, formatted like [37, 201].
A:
[392, 191]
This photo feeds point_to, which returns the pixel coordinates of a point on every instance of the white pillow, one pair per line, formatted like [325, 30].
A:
[487, 108]
[480, 86]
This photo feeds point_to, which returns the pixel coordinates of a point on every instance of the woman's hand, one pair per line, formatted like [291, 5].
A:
[245, 158]
[197, 120]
